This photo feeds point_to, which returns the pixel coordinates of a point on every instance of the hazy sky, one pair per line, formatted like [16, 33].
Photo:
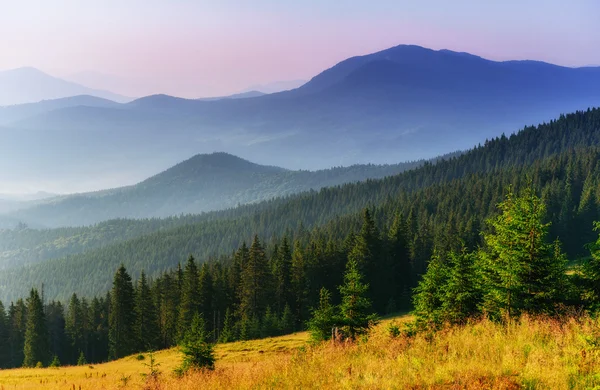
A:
[198, 48]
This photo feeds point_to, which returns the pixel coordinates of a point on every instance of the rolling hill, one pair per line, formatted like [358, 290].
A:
[30, 85]
[200, 184]
[400, 104]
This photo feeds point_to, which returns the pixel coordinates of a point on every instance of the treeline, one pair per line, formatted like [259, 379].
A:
[516, 270]
[255, 292]
[261, 291]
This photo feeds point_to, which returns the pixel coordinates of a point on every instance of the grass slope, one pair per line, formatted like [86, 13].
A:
[531, 353]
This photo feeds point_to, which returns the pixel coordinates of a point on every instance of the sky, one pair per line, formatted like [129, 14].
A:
[203, 48]
[195, 48]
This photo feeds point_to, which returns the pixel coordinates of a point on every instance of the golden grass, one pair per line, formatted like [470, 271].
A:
[531, 353]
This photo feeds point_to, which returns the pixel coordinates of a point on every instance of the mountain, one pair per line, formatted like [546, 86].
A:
[401, 104]
[242, 95]
[276, 86]
[29, 85]
[18, 112]
[443, 204]
[200, 184]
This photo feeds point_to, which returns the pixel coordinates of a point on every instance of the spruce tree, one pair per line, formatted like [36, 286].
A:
[429, 295]
[147, 332]
[400, 268]
[287, 320]
[74, 328]
[323, 318]
[206, 294]
[591, 274]
[55, 318]
[522, 271]
[18, 324]
[299, 284]
[228, 332]
[366, 253]
[197, 351]
[281, 273]
[121, 329]
[190, 304]
[4, 338]
[356, 314]
[254, 283]
[168, 298]
[461, 292]
[36, 348]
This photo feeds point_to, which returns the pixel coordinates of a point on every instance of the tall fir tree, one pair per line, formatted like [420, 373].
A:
[366, 253]
[462, 294]
[323, 318]
[18, 323]
[429, 295]
[147, 333]
[356, 313]
[206, 294]
[190, 303]
[36, 347]
[281, 275]
[74, 323]
[522, 271]
[121, 329]
[55, 318]
[400, 268]
[4, 338]
[254, 282]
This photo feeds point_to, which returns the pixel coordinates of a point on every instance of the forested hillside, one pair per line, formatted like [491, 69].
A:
[203, 183]
[441, 201]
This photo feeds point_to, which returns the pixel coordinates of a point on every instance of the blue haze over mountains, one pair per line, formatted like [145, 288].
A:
[401, 104]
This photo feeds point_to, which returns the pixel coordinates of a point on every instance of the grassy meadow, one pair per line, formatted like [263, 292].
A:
[530, 354]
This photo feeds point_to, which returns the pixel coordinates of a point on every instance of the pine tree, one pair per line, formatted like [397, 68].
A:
[55, 318]
[461, 291]
[147, 333]
[323, 318]
[36, 348]
[522, 271]
[190, 303]
[206, 294]
[356, 314]
[287, 320]
[429, 295]
[197, 351]
[591, 274]
[99, 329]
[299, 284]
[74, 328]
[270, 324]
[366, 253]
[228, 332]
[168, 298]
[400, 268]
[254, 283]
[121, 330]
[281, 273]
[18, 324]
[4, 338]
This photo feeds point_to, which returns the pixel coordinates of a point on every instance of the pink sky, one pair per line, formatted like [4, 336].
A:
[207, 48]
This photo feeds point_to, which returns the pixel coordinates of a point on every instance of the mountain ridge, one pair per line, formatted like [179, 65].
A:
[30, 85]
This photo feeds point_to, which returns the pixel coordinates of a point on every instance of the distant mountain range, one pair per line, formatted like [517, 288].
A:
[400, 104]
[277, 86]
[202, 183]
[30, 85]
